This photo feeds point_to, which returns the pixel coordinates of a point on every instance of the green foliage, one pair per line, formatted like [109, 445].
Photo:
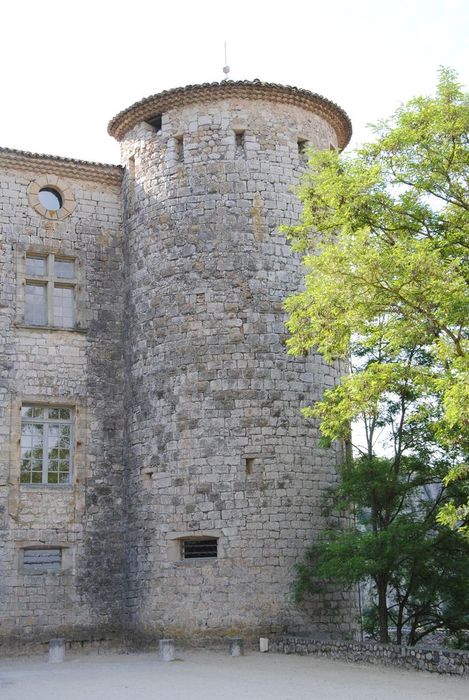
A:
[396, 540]
[386, 289]
[389, 270]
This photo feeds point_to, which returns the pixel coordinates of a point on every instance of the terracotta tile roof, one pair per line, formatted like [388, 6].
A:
[65, 167]
[253, 90]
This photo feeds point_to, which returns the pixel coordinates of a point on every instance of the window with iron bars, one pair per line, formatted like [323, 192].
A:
[203, 548]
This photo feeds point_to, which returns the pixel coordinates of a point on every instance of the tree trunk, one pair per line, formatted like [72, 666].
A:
[382, 586]
[400, 618]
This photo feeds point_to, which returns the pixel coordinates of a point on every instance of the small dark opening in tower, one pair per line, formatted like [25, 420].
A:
[180, 149]
[302, 146]
[156, 122]
[131, 166]
[249, 462]
[240, 144]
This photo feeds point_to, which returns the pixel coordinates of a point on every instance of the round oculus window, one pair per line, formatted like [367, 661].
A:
[50, 198]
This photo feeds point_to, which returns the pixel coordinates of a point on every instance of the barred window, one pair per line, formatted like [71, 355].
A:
[39, 560]
[46, 445]
[203, 548]
[49, 298]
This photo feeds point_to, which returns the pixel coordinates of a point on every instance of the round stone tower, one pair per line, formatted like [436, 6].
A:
[225, 476]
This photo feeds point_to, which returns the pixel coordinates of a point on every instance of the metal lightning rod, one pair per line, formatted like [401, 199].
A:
[226, 68]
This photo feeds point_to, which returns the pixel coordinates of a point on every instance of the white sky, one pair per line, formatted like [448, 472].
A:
[68, 68]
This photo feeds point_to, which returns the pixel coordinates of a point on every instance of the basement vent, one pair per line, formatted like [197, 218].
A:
[200, 549]
[37, 561]
[155, 122]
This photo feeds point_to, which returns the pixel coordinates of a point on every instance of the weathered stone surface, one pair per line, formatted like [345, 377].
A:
[186, 404]
[209, 382]
[82, 368]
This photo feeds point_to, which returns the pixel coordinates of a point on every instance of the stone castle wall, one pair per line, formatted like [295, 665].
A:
[79, 368]
[209, 382]
[186, 406]
[421, 658]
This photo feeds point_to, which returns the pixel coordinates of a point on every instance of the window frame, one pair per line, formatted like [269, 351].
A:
[50, 281]
[61, 186]
[175, 549]
[46, 422]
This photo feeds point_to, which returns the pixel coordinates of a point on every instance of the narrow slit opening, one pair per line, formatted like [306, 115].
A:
[302, 146]
[180, 149]
[249, 465]
[240, 144]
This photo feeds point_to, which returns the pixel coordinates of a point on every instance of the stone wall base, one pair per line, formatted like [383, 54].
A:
[83, 641]
[421, 659]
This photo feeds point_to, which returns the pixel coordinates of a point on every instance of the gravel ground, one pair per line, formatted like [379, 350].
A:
[205, 675]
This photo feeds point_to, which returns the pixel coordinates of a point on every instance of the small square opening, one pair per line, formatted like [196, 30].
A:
[302, 146]
[147, 479]
[156, 122]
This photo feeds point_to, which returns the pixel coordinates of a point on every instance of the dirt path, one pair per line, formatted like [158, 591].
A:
[215, 676]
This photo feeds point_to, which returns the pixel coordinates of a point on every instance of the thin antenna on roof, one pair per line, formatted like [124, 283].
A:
[226, 68]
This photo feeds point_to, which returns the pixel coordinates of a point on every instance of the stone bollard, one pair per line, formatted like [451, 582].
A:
[56, 651]
[236, 646]
[263, 644]
[167, 649]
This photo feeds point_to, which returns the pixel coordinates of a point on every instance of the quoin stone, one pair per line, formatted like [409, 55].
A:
[158, 478]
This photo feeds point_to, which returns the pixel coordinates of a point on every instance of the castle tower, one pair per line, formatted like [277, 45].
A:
[225, 476]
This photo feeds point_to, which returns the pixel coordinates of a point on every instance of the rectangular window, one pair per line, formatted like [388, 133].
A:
[46, 445]
[50, 286]
[37, 560]
[204, 548]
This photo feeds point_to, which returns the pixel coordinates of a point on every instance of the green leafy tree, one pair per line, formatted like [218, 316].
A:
[387, 285]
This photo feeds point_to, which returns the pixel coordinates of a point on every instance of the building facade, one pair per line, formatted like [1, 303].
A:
[156, 476]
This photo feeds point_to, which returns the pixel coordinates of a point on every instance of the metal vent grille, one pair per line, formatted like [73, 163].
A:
[200, 549]
[37, 560]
